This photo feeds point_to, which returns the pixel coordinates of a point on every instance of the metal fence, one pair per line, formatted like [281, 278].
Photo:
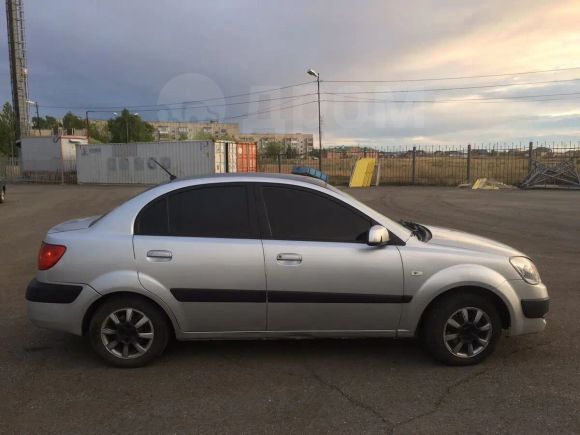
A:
[53, 171]
[425, 165]
[433, 165]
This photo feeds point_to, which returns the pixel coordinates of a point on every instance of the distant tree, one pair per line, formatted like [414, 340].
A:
[203, 135]
[315, 153]
[291, 152]
[7, 130]
[182, 136]
[70, 120]
[273, 149]
[128, 127]
[99, 133]
[45, 123]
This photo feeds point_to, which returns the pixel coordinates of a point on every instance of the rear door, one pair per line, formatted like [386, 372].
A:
[201, 249]
[322, 276]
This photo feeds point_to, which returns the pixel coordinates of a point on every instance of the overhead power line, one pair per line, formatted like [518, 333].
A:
[455, 77]
[395, 91]
[190, 102]
[276, 109]
[462, 100]
[162, 107]
[248, 114]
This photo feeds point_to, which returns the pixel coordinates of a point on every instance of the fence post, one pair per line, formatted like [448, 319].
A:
[279, 164]
[530, 151]
[469, 164]
[414, 165]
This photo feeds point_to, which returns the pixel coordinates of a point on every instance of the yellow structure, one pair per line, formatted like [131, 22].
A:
[363, 173]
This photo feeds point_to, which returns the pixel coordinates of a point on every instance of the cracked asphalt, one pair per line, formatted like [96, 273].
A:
[52, 383]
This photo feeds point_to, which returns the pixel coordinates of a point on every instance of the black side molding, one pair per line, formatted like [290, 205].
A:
[273, 296]
[52, 293]
[535, 308]
[335, 298]
[218, 295]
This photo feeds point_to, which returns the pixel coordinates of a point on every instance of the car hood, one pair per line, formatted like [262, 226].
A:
[459, 239]
[74, 224]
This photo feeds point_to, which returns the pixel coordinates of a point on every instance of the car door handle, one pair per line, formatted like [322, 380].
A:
[289, 258]
[160, 255]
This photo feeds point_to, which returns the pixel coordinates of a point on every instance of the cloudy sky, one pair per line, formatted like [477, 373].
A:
[104, 54]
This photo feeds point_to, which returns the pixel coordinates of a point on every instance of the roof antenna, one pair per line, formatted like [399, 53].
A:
[171, 176]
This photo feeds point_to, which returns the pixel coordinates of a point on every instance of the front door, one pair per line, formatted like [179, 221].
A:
[200, 247]
[322, 276]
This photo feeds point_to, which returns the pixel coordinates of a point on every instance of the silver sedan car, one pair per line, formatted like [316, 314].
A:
[252, 256]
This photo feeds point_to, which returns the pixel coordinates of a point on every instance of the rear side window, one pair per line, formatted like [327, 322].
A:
[152, 221]
[214, 211]
[295, 214]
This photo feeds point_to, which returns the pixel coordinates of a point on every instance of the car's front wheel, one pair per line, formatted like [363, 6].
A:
[461, 329]
[128, 331]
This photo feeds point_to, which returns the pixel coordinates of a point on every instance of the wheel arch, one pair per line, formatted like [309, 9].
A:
[493, 297]
[96, 304]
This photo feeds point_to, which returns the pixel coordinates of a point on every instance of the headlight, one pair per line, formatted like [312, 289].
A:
[526, 268]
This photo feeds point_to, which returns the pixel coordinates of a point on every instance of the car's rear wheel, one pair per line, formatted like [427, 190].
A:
[128, 331]
[461, 329]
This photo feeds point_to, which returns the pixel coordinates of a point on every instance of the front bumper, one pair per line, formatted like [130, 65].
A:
[59, 306]
[535, 308]
[528, 304]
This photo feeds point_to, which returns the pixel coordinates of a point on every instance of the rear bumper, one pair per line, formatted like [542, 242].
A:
[59, 306]
[52, 293]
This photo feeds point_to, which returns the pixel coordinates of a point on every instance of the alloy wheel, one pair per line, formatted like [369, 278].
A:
[467, 332]
[127, 333]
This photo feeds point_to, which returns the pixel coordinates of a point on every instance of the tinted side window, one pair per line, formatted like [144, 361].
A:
[216, 211]
[152, 221]
[300, 215]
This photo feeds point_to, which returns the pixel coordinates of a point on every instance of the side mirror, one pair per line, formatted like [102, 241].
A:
[378, 236]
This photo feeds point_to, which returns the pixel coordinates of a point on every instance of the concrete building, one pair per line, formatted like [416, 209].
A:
[301, 142]
[171, 130]
[49, 153]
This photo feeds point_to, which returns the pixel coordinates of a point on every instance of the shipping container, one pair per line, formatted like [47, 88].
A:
[223, 165]
[247, 157]
[134, 163]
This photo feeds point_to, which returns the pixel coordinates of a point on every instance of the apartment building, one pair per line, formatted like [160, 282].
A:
[170, 130]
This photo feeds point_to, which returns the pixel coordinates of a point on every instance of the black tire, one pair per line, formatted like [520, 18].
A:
[126, 331]
[435, 327]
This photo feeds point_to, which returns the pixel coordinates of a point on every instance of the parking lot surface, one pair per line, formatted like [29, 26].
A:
[53, 383]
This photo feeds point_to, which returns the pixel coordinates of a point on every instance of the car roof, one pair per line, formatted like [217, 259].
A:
[258, 176]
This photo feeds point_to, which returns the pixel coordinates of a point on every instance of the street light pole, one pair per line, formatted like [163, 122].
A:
[87, 124]
[37, 115]
[317, 75]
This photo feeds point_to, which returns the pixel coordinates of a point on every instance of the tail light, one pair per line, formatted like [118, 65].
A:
[49, 255]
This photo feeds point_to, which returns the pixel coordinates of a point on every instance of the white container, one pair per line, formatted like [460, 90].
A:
[133, 163]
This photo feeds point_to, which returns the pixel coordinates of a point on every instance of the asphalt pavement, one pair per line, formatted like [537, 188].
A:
[53, 383]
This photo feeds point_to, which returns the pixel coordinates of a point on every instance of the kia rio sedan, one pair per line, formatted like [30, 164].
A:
[252, 256]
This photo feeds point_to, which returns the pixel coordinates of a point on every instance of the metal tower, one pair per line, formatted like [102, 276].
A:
[18, 69]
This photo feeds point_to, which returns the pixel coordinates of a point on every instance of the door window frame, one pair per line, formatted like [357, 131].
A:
[255, 233]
